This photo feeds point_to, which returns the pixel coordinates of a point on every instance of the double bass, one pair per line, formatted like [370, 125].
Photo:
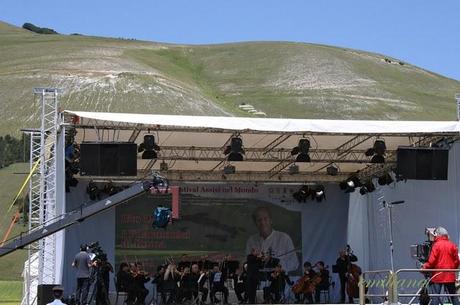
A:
[353, 273]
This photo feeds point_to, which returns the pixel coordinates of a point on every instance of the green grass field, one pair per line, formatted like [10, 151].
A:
[10, 292]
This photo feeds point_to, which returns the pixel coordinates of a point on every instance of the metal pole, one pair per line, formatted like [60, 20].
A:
[390, 223]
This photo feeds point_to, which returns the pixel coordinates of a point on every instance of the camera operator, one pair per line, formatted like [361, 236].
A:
[443, 255]
[103, 269]
[83, 264]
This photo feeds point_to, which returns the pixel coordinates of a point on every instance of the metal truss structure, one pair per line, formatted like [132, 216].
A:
[41, 263]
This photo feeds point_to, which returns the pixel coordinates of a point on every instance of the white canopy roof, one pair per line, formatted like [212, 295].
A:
[275, 125]
[193, 146]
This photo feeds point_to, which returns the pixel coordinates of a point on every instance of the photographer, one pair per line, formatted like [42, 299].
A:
[83, 264]
[443, 255]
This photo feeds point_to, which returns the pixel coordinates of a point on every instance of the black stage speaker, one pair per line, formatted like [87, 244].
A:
[108, 159]
[45, 294]
[423, 163]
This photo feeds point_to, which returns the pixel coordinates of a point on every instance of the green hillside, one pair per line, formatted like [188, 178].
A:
[281, 79]
[11, 179]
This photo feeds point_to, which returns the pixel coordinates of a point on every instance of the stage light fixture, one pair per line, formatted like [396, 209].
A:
[368, 187]
[385, 179]
[377, 152]
[235, 151]
[229, 169]
[319, 193]
[149, 148]
[302, 194]
[93, 191]
[350, 184]
[332, 170]
[293, 169]
[301, 150]
[163, 166]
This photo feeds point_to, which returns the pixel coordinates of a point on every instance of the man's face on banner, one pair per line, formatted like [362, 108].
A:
[263, 222]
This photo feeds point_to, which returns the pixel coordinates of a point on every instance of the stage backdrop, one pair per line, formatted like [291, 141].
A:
[215, 219]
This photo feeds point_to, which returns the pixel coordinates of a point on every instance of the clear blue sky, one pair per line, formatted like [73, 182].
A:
[423, 32]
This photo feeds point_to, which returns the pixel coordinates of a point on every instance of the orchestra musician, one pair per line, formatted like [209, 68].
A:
[217, 281]
[239, 282]
[158, 281]
[124, 278]
[253, 262]
[324, 280]
[140, 277]
[278, 280]
[343, 263]
[306, 285]
[171, 278]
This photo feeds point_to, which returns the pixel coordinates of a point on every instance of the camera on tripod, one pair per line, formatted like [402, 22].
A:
[421, 252]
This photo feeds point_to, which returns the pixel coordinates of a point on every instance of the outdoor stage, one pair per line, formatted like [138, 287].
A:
[218, 196]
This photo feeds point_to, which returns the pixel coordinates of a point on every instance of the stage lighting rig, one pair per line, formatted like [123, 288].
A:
[149, 148]
[159, 181]
[235, 151]
[301, 150]
[377, 152]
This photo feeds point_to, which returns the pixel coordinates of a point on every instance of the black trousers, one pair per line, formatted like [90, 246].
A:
[240, 289]
[251, 290]
[102, 293]
[81, 295]
[343, 282]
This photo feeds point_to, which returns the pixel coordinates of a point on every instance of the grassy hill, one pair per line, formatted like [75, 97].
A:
[11, 179]
[279, 78]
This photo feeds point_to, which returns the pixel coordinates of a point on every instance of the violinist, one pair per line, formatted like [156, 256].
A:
[343, 264]
[140, 277]
[305, 286]
[171, 278]
[254, 263]
[124, 278]
[323, 274]
[278, 280]
[158, 281]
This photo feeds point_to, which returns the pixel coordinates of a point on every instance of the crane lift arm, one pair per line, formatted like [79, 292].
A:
[75, 216]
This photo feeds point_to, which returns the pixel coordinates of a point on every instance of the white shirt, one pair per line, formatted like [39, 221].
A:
[56, 302]
[280, 243]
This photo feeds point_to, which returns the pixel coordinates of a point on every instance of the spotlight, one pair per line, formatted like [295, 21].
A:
[302, 194]
[332, 170]
[161, 217]
[229, 169]
[235, 151]
[93, 191]
[163, 166]
[368, 187]
[149, 147]
[386, 179]
[319, 193]
[301, 150]
[350, 184]
[293, 169]
[377, 152]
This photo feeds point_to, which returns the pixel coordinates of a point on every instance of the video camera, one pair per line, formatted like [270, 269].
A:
[96, 253]
[421, 252]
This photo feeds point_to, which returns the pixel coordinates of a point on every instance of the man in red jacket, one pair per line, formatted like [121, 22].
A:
[443, 255]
